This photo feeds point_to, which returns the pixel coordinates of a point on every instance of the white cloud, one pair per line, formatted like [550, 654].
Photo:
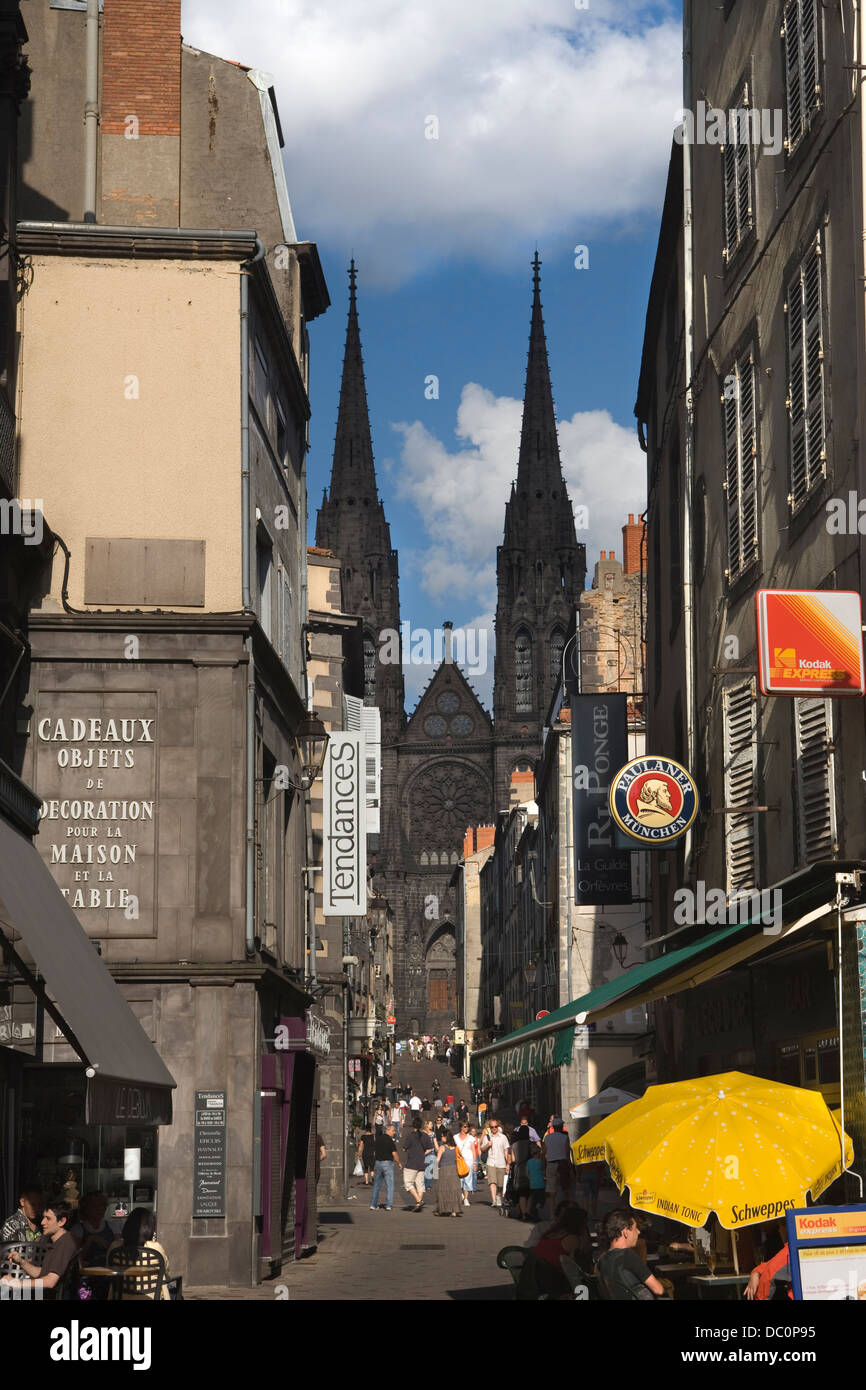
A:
[460, 495]
[550, 119]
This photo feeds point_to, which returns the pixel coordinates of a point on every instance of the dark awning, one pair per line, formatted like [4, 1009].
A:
[530, 1050]
[132, 1084]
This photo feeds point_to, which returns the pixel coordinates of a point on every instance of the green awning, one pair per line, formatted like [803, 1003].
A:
[521, 1053]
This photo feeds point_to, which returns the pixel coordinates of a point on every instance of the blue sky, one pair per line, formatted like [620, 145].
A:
[553, 128]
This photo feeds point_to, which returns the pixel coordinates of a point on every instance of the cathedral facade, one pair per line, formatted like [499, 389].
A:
[449, 764]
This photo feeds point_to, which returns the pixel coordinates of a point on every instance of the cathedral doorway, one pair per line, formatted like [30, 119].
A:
[440, 965]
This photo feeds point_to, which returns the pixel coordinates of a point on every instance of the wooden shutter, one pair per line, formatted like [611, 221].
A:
[816, 792]
[371, 723]
[737, 169]
[806, 387]
[802, 87]
[741, 467]
[741, 785]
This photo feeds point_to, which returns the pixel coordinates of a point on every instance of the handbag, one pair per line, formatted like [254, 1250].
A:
[462, 1166]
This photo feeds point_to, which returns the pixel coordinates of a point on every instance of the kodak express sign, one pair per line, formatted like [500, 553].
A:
[810, 642]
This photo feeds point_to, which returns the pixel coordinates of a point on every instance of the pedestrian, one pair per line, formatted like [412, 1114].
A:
[462, 1112]
[366, 1154]
[414, 1102]
[431, 1171]
[415, 1146]
[521, 1149]
[535, 1170]
[435, 1087]
[557, 1163]
[425, 1103]
[379, 1119]
[467, 1146]
[385, 1150]
[494, 1144]
[449, 1183]
[481, 1111]
[590, 1182]
[621, 1271]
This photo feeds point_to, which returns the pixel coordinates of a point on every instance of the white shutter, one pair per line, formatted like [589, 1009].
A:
[741, 785]
[816, 791]
[352, 713]
[371, 723]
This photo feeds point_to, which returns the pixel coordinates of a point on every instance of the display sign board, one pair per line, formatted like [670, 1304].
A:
[653, 800]
[810, 642]
[344, 830]
[209, 1166]
[827, 1246]
[599, 745]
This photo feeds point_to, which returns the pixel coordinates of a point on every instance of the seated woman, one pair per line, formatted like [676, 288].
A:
[568, 1236]
[138, 1233]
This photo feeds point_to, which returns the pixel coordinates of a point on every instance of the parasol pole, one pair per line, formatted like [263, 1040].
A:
[735, 1252]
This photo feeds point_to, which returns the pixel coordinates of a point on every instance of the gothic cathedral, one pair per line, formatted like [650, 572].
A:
[449, 764]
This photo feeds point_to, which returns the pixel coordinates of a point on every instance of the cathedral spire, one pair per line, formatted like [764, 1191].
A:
[353, 474]
[538, 468]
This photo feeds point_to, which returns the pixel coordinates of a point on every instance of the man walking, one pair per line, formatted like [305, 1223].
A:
[385, 1149]
[495, 1145]
[415, 1147]
[414, 1103]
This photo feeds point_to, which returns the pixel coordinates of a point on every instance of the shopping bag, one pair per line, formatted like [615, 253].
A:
[358, 1170]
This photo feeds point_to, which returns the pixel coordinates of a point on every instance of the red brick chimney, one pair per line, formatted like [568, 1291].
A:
[633, 546]
[140, 105]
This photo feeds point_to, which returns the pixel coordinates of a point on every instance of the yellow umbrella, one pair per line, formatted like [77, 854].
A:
[742, 1147]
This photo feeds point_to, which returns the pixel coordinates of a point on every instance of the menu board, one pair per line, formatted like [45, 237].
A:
[828, 1253]
[209, 1168]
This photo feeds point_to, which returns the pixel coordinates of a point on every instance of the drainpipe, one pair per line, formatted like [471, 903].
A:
[688, 478]
[247, 598]
[91, 108]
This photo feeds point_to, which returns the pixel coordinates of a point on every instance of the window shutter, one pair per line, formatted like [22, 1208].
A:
[806, 388]
[371, 723]
[737, 157]
[352, 708]
[741, 785]
[741, 467]
[793, 73]
[816, 792]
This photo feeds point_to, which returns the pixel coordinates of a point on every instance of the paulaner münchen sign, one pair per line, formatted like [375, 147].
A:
[344, 829]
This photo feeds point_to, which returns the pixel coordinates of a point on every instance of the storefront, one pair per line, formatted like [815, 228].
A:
[82, 1088]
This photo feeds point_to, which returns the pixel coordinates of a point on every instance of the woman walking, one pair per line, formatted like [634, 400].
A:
[431, 1170]
[449, 1183]
[468, 1147]
[367, 1154]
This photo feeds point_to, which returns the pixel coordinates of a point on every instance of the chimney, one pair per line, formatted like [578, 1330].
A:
[140, 126]
[633, 546]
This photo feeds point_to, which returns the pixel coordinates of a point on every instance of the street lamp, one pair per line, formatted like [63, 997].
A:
[619, 945]
[311, 742]
[530, 971]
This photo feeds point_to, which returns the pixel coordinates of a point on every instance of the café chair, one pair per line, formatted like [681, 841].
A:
[141, 1271]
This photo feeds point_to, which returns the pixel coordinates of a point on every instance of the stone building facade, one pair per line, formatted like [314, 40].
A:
[449, 764]
[166, 680]
[750, 406]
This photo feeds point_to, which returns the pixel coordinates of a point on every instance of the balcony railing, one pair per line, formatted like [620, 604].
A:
[17, 802]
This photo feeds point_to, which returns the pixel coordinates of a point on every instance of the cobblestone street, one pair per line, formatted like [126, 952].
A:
[396, 1255]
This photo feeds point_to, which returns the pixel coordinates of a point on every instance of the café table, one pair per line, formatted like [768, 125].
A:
[113, 1275]
[719, 1286]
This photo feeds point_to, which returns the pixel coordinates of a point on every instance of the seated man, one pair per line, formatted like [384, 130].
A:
[622, 1272]
[23, 1225]
[61, 1250]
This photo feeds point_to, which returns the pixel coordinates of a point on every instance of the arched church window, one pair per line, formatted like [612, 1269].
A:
[523, 672]
[434, 858]
[423, 857]
[369, 669]
[557, 644]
